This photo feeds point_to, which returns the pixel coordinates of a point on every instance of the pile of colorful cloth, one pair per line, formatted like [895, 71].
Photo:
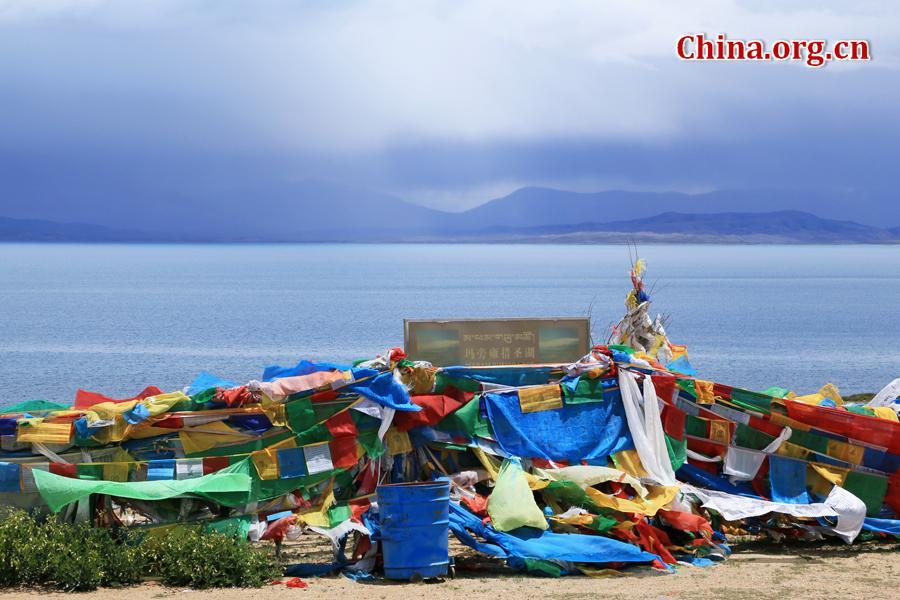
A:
[578, 468]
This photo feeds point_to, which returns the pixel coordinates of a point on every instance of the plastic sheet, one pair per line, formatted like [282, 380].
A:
[593, 431]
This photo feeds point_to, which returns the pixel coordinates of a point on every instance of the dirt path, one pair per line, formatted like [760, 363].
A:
[771, 573]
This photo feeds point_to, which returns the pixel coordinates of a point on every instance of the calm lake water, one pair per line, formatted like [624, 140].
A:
[114, 318]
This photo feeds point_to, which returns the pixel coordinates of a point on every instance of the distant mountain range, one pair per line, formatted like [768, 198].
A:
[312, 211]
[787, 226]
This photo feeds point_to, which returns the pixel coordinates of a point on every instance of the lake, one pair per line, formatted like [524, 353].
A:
[115, 318]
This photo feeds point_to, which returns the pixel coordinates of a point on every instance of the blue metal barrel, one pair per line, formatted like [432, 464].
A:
[415, 520]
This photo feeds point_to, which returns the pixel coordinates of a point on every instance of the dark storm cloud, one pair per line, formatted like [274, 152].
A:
[443, 103]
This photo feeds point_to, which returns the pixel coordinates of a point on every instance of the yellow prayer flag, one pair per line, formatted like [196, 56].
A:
[38, 430]
[116, 471]
[845, 452]
[829, 390]
[657, 497]
[719, 431]
[538, 398]
[704, 390]
[821, 478]
[785, 421]
[630, 462]
[266, 463]
[792, 450]
[163, 403]
[886, 412]
[813, 399]
[209, 435]
[275, 412]
[319, 517]
[397, 442]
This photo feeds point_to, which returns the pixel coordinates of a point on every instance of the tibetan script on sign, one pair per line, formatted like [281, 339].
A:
[479, 342]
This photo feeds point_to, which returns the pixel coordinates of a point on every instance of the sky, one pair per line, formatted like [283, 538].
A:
[446, 104]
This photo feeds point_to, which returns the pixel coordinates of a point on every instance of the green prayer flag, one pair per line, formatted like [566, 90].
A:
[314, 435]
[777, 392]
[696, 426]
[622, 348]
[205, 396]
[230, 487]
[266, 489]
[89, 471]
[324, 411]
[464, 384]
[369, 441]
[364, 421]
[571, 494]
[752, 438]
[687, 385]
[300, 415]
[603, 523]
[238, 527]
[466, 419]
[545, 568]
[871, 489]
[587, 390]
[810, 441]
[32, 406]
[751, 400]
[338, 514]
[677, 451]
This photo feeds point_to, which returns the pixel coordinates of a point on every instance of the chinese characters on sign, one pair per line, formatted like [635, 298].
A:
[476, 342]
[499, 348]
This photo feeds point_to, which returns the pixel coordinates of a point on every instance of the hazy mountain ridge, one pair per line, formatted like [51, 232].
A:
[40, 230]
[796, 226]
[527, 206]
[319, 211]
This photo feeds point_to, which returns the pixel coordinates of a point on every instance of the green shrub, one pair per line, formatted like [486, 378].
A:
[123, 558]
[17, 531]
[72, 558]
[78, 557]
[189, 557]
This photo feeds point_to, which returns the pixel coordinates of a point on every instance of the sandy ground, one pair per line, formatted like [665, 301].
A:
[866, 571]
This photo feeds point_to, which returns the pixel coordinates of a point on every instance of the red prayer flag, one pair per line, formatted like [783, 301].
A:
[343, 452]
[673, 420]
[211, 464]
[278, 529]
[765, 426]
[64, 469]
[664, 384]
[359, 506]
[86, 399]
[873, 430]
[434, 408]
[722, 391]
[170, 423]
[326, 396]
[685, 521]
[892, 498]
[342, 425]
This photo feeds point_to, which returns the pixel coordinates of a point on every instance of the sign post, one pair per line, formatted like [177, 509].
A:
[481, 342]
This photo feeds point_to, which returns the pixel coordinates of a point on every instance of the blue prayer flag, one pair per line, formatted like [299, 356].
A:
[291, 463]
[161, 470]
[788, 480]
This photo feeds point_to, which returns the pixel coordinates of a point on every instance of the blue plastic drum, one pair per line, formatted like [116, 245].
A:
[415, 521]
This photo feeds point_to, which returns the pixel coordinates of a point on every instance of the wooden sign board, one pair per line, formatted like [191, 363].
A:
[480, 342]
